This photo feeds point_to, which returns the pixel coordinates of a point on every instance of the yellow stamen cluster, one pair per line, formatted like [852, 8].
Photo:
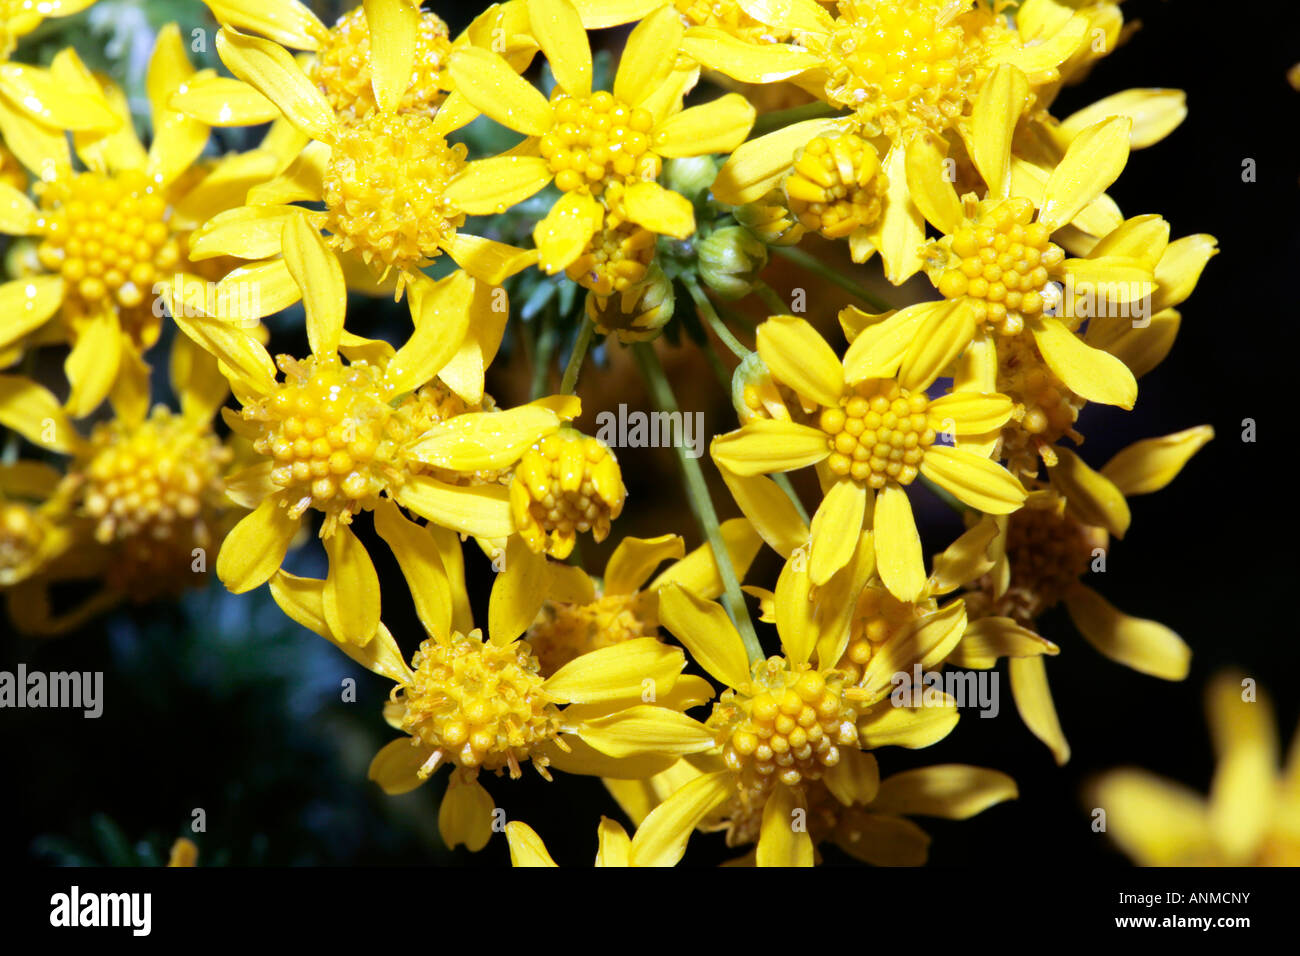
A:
[107, 236]
[22, 532]
[1049, 550]
[1046, 410]
[785, 725]
[342, 67]
[835, 186]
[899, 63]
[596, 139]
[326, 429]
[878, 617]
[565, 484]
[478, 705]
[563, 631]
[1002, 262]
[615, 259]
[877, 433]
[384, 191]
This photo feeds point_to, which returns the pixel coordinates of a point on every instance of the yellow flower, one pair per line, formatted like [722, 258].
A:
[874, 427]
[602, 144]
[183, 853]
[338, 435]
[140, 505]
[1252, 815]
[565, 484]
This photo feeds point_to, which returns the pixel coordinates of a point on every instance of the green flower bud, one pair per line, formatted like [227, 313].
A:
[730, 260]
[691, 176]
[770, 221]
[754, 393]
[638, 313]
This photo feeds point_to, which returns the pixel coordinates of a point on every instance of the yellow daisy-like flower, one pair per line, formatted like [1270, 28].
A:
[565, 484]
[604, 150]
[1252, 815]
[874, 427]
[141, 504]
[339, 435]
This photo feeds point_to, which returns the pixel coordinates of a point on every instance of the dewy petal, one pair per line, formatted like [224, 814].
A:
[780, 841]
[27, 304]
[55, 106]
[315, 268]
[487, 260]
[1034, 701]
[638, 669]
[480, 511]
[1156, 822]
[942, 337]
[835, 527]
[283, 21]
[1088, 372]
[269, 69]
[661, 838]
[649, 56]
[1155, 114]
[1094, 160]
[898, 545]
[993, 122]
[393, 26]
[440, 311]
[526, 847]
[484, 441]
[223, 101]
[635, 559]
[704, 629]
[351, 588]
[767, 445]
[493, 185]
[32, 411]
[558, 29]
[718, 126]
[563, 235]
[1146, 646]
[802, 16]
[1152, 463]
[755, 166]
[798, 356]
[601, 14]
[951, 791]
[39, 148]
[660, 210]
[18, 214]
[255, 548]
[1242, 794]
[984, 485]
[497, 91]
[746, 62]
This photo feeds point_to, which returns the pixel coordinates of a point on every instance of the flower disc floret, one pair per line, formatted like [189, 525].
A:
[565, 484]
[596, 140]
[878, 432]
[835, 186]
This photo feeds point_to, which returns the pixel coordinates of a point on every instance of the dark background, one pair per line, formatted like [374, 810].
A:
[223, 704]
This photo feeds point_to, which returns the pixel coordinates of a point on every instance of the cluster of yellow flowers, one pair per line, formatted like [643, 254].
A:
[917, 129]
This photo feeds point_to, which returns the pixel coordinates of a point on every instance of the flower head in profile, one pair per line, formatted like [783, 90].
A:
[1252, 815]
[604, 150]
[870, 425]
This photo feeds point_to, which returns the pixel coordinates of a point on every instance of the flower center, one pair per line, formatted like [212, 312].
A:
[326, 429]
[565, 631]
[785, 725]
[342, 67]
[615, 259]
[565, 484]
[1046, 410]
[597, 138]
[879, 432]
[478, 705]
[384, 191]
[899, 63]
[1003, 262]
[878, 617]
[1049, 550]
[106, 236]
[835, 186]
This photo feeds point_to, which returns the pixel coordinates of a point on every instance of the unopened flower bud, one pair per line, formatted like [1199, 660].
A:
[769, 220]
[730, 260]
[637, 313]
[691, 176]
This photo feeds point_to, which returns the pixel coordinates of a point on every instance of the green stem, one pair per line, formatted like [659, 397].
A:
[570, 380]
[715, 322]
[796, 114]
[775, 304]
[544, 345]
[783, 482]
[697, 494]
[818, 268]
[944, 495]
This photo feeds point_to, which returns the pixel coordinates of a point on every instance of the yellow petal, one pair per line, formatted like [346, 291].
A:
[1034, 701]
[877, 350]
[292, 24]
[465, 815]
[418, 556]
[441, 314]
[1156, 822]
[27, 304]
[930, 189]
[767, 445]
[1179, 269]
[718, 126]
[783, 838]
[487, 260]
[255, 548]
[635, 559]
[484, 441]
[517, 593]
[911, 727]
[18, 214]
[755, 166]
[799, 357]
[563, 235]
[1150, 464]
[769, 509]
[493, 185]
[855, 779]
[393, 26]
[993, 122]
[1093, 498]
[40, 94]
[1146, 646]
[970, 413]
[1094, 161]
[1091, 373]
[704, 629]
[488, 82]
[244, 359]
[746, 62]
[92, 365]
[223, 101]
[900, 231]
[643, 668]
[1155, 114]
[600, 14]
[661, 838]
[1245, 743]
[396, 767]
[942, 336]
[795, 612]
[659, 210]
[645, 729]
[558, 29]
[698, 571]
[479, 511]
[898, 545]
[952, 791]
[585, 760]
[926, 642]
[351, 589]
[883, 840]
[526, 847]
[316, 270]
[834, 529]
[42, 150]
[990, 638]
[271, 70]
[33, 412]
[976, 481]
[614, 844]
